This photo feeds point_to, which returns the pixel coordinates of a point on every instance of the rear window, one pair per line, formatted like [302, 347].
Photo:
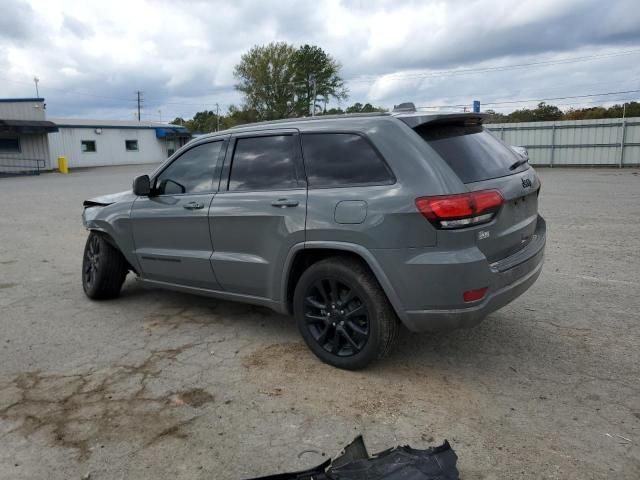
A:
[264, 163]
[472, 152]
[342, 159]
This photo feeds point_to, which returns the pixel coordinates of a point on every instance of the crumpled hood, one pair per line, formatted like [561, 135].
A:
[104, 200]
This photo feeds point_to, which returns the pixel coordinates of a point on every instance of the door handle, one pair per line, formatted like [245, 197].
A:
[284, 203]
[193, 206]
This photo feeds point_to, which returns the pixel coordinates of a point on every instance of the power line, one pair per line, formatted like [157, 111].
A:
[192, 104]
[70, 92]
[530, 100]
[400, 76]
[563, 98]
[585, 104]
[470, 71]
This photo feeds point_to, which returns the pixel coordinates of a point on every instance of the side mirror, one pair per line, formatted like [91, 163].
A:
[142, 186]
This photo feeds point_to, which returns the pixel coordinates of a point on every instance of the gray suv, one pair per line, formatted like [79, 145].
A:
[353, 224]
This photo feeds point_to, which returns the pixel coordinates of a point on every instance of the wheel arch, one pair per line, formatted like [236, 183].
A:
[303, 255]
[111, 241]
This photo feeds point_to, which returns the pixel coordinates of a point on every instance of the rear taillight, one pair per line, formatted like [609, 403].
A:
[462, 210]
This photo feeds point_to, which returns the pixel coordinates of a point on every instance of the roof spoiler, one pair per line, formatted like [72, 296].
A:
[415, 120]
[405, 107]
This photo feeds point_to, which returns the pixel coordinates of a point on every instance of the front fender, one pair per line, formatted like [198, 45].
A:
[113, 221]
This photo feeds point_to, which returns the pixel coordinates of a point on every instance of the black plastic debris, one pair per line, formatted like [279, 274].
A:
[398, 463]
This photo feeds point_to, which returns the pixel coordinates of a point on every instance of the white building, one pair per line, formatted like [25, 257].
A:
[93, 143]
[23, 136]
[29, 142]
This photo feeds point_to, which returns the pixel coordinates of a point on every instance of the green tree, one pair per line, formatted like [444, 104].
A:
[178, 121]
[265, 76]
[495, 117]
[238, 116]
[315, 73]
[333, 111]
[366, 108]
[631, 109]
[542, 112]
[204, 122]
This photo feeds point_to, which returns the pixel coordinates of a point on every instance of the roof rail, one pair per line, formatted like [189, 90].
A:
[311, 119]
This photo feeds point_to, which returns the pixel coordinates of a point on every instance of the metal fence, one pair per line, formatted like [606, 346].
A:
[602, 142]
[21, 166]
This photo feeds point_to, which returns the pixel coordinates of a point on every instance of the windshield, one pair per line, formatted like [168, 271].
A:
[472, 152]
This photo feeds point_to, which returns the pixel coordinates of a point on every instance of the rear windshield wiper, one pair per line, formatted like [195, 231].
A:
[522, 161]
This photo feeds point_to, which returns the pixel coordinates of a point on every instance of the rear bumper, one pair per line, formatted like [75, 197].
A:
[507, 280]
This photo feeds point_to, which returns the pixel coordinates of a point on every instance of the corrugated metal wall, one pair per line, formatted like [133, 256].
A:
[34, 148]
[34, 154]
[610, 141]
[110, 146]
[22, 110]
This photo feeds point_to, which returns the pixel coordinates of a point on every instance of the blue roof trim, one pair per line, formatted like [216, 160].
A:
[177, 131]
[117, 127]
[170, 130]
[16, 100]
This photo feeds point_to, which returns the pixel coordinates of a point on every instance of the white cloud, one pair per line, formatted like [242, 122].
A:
[91, 56]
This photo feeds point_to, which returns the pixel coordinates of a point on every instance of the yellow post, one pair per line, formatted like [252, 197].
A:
[63, 166]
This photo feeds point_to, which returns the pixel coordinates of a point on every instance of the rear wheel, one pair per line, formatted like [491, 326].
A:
[343, 314]
[103, 268]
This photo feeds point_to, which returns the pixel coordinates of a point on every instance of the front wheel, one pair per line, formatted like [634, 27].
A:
[343, 314]
[104, 268]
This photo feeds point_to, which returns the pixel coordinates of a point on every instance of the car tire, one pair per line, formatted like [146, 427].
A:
[339, 300]
[104, 268]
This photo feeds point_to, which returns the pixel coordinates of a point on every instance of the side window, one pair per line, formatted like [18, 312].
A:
[131, 145]
[10, 145]
[264, 163]
[341, 159]
[191, 172]
[88, 146]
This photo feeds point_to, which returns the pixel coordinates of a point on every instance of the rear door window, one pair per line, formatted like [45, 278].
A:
[342, 159]
[472, 152]
[264, 163]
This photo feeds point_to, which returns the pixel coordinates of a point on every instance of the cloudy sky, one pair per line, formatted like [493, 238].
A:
[91, 56]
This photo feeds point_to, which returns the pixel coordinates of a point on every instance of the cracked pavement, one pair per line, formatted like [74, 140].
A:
[164, 385]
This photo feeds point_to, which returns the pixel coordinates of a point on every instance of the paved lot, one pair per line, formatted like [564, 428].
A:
[165, 385]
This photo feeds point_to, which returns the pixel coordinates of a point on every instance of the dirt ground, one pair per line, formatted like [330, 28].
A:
[164, 385]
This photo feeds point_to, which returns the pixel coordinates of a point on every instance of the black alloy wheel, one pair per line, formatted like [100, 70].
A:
[91, 261]
[104, 268]
[343, 314]
[336, 317]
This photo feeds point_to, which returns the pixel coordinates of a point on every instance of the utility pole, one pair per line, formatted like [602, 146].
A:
[36, 80]
[623, 126]
[217, 117]
[139, 95]
[312, 79]
[160, 115]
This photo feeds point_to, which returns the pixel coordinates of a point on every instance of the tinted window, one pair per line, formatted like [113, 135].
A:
[131, 145]
[10, 145]
[191, 172]
[264, 163]
[471, 151]
[334, 159]
[88, 146]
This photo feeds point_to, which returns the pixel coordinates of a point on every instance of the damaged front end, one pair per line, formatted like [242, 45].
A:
[398, 463]
[93, 206]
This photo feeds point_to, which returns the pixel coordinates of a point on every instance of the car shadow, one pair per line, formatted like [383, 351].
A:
[503, 341]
